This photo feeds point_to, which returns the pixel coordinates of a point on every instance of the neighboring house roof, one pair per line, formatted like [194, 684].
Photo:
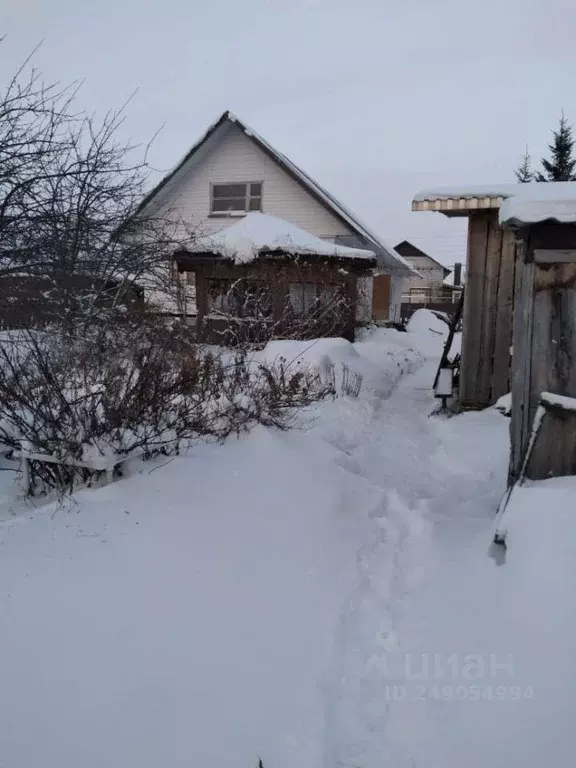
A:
[257, 234]
[387, 258]
[406, 249]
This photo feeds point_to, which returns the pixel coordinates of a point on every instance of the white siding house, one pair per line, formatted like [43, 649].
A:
[231, 171]
[237, 159]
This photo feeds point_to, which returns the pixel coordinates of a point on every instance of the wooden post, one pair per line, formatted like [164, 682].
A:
[488, 314]
[501, 363]
[522, 341]
[473, 302]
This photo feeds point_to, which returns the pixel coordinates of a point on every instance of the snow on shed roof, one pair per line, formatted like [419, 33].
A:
[387, 258]
[459, 201]
[467, 192]
[541, 202]
[527, 203]
[258, 233]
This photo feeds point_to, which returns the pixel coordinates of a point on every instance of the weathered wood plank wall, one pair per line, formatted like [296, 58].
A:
[473, 300]
[554, 452]
[504, 322]
[544, 351]
[488, 312]
[553, 366]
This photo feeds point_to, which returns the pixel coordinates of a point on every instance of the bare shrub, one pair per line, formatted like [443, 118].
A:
[140, 386]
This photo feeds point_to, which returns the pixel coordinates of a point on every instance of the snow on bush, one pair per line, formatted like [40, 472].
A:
[332, 356]
[376, 363]
[138, 387]
[428, 332]
[427, 321]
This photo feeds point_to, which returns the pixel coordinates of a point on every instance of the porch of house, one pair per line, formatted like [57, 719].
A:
[272, 297]
[264, 277]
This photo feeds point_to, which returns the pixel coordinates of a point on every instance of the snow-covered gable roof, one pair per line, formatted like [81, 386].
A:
[520, 203]
[257, 233]
[387, 258]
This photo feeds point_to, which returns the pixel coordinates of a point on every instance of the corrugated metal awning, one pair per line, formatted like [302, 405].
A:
[457, 206]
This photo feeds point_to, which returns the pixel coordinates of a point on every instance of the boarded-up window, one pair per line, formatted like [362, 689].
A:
[236, 198]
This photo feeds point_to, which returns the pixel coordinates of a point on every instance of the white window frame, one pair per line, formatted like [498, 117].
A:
[248, 196]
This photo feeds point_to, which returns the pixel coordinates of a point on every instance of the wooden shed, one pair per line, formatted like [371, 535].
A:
[543, 428]
[265, 278]
[489, 293]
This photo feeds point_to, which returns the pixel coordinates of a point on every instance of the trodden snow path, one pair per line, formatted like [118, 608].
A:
[440, 481]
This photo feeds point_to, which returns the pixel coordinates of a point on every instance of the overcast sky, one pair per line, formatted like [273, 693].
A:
[376, 99]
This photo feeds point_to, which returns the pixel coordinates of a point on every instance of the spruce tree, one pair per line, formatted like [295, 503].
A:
[562, 163]
[524, 172]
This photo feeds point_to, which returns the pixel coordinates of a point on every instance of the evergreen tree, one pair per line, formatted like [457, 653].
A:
[562, 164]
[524, 172]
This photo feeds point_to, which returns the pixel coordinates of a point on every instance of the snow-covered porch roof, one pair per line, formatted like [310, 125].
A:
[258, 234]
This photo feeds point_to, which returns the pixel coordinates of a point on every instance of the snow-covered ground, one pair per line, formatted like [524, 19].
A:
[317, 598]
[186, 615]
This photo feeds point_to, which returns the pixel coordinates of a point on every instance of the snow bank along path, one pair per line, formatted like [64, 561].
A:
[186, 615]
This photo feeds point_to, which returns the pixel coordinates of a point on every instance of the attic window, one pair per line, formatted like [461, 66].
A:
[236, 198]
